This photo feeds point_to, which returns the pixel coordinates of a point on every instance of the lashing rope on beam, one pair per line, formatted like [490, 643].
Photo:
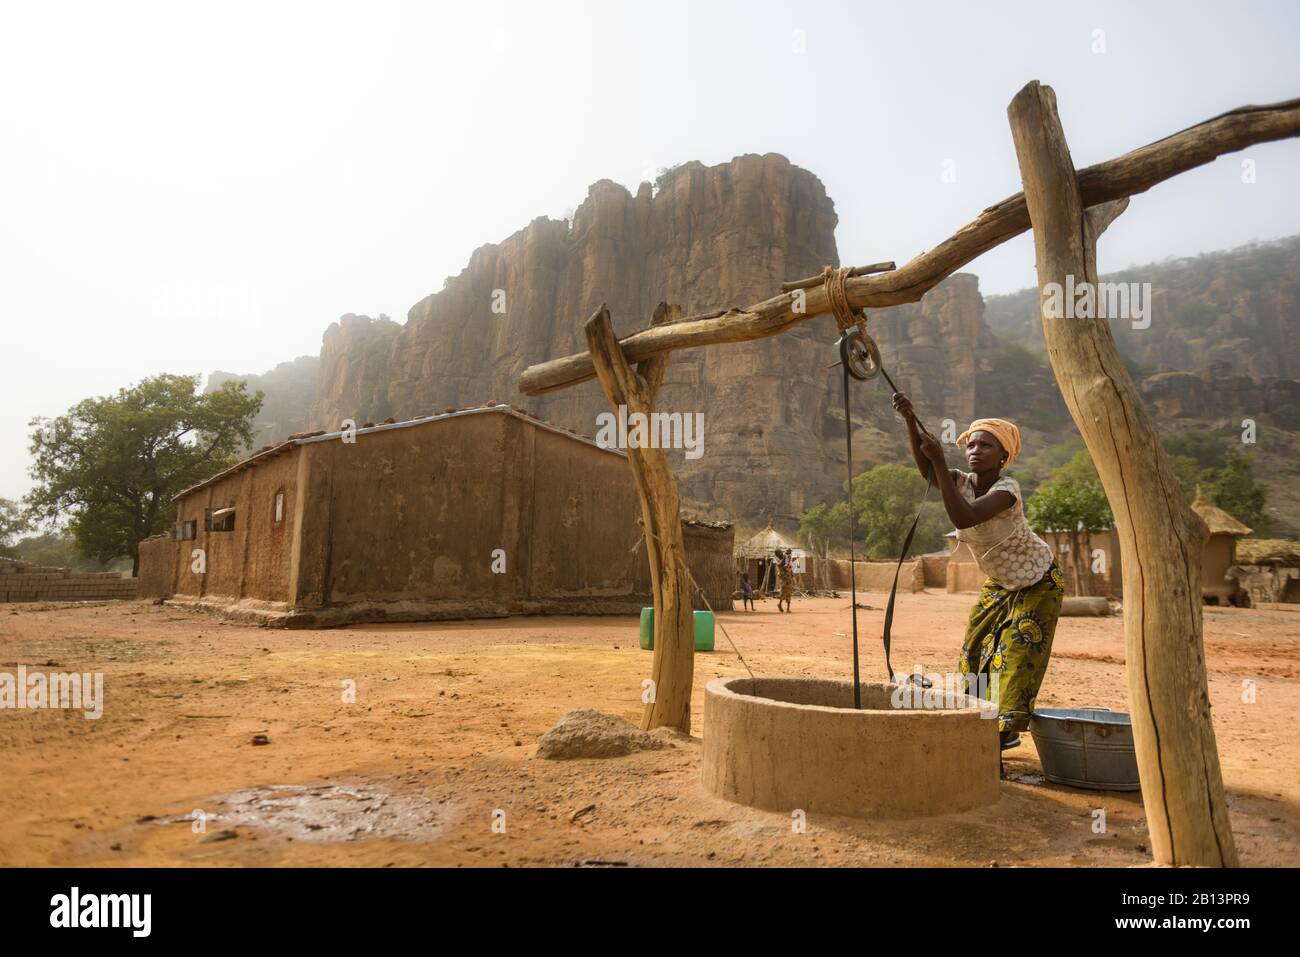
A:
[846, 317]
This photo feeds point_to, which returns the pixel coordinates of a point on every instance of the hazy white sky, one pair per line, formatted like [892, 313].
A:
[187, 187]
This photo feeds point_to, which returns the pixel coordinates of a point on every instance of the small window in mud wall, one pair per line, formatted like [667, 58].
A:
[219, 519]
[279, 506]
[185, 531]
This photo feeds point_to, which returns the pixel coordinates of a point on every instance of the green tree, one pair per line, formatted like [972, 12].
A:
[885, 499]
[1187, 472]
[1208, 448]
[13, 523]
[111, 465]
[1080, 469]
[822, 524]
[1037, 468]
[1233, 488]
[1075, 507]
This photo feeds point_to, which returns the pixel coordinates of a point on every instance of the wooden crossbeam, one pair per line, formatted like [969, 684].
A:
[1126, 175]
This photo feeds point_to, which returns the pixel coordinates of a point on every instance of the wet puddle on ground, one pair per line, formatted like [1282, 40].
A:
[1025, 777]
[323, 812]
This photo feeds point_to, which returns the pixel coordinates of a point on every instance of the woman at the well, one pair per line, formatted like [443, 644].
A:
[1009, 635]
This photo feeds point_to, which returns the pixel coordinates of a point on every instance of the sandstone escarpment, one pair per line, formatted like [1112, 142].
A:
[1234, 309]
[712, 237]
[1215, 393]
[288, 390]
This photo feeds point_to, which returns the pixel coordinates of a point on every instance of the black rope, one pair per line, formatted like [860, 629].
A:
[853, 561]
[907, 542]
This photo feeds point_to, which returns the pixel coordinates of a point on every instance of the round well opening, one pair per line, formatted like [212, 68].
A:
[832, 693]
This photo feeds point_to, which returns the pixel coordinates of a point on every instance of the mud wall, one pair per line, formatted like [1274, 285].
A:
[1215, 559]
[252, 560]
[407, 514]
[481, 514]
[157, 567]
[1109, 581]
[585, 512]
[871, 576]
[965, 576]
[709, 551]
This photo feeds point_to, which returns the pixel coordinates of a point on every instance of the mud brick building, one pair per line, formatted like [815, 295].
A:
[474, 513]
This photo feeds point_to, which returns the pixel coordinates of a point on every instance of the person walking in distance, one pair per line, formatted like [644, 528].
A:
[785, 578]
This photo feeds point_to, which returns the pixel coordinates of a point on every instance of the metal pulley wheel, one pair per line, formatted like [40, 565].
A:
[859, 354]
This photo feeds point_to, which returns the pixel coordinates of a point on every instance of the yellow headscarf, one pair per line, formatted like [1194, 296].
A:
[1002, 430]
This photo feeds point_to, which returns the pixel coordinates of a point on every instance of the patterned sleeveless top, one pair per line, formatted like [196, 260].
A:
[1005, 548]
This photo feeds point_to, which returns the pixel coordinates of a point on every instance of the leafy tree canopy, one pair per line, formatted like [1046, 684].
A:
[111, 465]
[1067, 505]
[885, 499]
[13, 523]
[822, 524]
[1207, 448]
[1233, 488]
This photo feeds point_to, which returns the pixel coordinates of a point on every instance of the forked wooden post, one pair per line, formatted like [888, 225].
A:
[673, 666]
[1160, 537]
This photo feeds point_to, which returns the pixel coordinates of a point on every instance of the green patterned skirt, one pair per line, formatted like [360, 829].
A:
[1009, 640]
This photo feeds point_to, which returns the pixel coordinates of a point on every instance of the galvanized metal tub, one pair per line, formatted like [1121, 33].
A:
[1086, 747]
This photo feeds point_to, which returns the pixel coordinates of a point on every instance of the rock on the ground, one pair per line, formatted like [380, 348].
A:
[587, 733]
[674, 735]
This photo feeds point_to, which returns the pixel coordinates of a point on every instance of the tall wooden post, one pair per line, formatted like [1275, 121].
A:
[672, 669]
[1160, 537]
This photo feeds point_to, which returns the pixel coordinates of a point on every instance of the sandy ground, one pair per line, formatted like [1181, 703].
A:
[439, 743]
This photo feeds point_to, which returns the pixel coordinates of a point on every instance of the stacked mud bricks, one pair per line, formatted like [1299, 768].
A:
[23, 581]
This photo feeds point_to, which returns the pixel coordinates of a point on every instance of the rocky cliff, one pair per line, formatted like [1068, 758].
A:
[1219, 346]
[1232, 312]
[711, 237]
[289, 392]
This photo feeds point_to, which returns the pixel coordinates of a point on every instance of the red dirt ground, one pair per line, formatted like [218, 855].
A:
[447, 716]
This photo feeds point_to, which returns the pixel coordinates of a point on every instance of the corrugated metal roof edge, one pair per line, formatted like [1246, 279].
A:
[387, 426]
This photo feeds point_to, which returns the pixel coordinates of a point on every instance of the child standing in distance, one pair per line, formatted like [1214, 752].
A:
[746, 592]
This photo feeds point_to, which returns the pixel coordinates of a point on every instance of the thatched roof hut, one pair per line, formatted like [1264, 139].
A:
[1268, 551]
[1220, 552]
[1219, 521]
[764, 544]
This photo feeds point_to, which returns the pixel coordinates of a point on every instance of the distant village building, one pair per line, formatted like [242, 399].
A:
[474, 513]
[1102, 568]
[757, 556]
[1267, 570]
[1220, 551]
[708, 552]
